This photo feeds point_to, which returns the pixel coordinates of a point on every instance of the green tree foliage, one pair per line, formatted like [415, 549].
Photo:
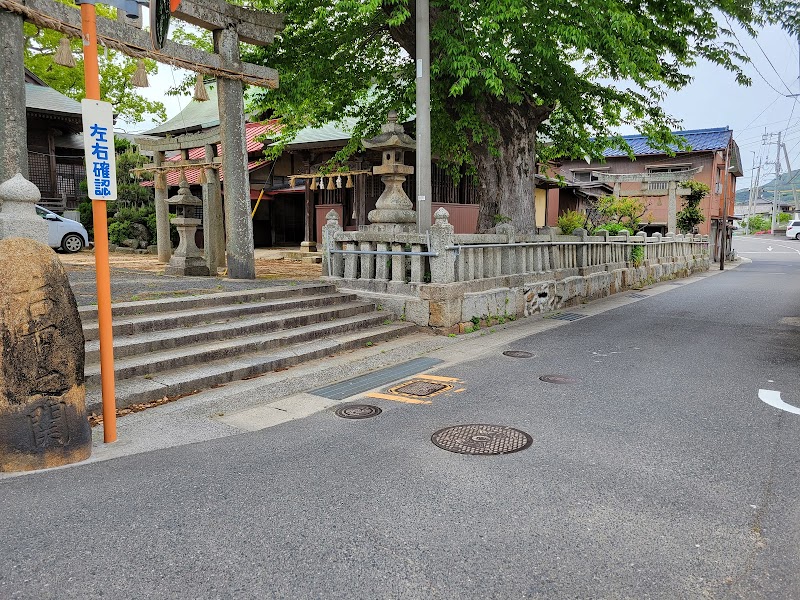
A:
[116, 71]
[624, 212]
[757, 223]
[784, 218]
[504, 74]
[571, 220]
[691, 215]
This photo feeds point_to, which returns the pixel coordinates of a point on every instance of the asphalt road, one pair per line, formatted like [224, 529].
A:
[658, 474]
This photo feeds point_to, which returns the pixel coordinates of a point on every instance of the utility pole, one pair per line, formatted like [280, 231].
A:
[775, 192]
[423, 170]
[753, 197]
[791, 178]
[725, 187]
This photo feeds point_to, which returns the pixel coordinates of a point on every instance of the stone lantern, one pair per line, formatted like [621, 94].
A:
[393, 210]
[187, 258]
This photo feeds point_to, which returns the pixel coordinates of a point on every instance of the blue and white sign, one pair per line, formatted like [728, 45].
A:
[98, 144]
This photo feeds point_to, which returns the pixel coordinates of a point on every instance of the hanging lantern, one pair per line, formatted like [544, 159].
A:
[330, 184]
[63, 55]
[139, 78]
[339, 182]
[200, 93]
[349, 183]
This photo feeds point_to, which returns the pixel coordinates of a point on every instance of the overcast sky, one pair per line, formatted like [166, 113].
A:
[713, 99]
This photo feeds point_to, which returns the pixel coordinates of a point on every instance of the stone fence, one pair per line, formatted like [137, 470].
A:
[442, 279]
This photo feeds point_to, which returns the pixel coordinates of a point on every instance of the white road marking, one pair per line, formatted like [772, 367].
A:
[769, 248]
[773, 398]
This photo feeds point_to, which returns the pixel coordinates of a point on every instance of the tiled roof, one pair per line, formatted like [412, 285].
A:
[253, 131]
[698, 139]
[45, 99]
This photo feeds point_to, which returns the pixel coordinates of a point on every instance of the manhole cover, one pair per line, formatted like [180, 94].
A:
[357, 411]
[481, 439]
[557, 379]
[518, 354]
[420, 388]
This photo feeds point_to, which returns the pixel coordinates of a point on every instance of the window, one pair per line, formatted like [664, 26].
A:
[583, 176]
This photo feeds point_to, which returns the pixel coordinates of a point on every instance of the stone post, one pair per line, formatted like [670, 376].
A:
[238, 224]
[162, 214]
[508, 256]
[443, 268]
[582, 255]
[13, 123]
[672, 207]
[213, 224]
[18, 216]
[331, 263]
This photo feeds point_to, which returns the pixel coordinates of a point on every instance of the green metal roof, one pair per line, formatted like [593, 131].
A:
[44, 99]
[324, 135]
[196, 115]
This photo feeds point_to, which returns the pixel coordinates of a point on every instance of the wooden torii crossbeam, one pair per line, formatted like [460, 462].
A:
[229, 25]
[670, 187]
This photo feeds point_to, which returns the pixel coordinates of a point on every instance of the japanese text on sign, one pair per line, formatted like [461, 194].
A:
[98, 140]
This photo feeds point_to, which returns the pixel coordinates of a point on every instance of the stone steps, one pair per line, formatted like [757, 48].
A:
[178, 346]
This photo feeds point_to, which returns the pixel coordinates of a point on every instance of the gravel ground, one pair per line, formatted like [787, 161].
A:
[140, 277]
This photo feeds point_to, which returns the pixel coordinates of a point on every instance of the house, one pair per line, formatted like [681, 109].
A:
[289, 214]
[55, 144]
[709, 150]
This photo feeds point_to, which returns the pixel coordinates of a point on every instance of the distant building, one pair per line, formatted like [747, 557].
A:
[710, 149]
[55, 144]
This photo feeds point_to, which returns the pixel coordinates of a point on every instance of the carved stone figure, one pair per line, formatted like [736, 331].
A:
[43, 421]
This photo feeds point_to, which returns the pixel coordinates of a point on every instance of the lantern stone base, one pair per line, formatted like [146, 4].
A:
[187, 259]
[308, 246]
[188, 265]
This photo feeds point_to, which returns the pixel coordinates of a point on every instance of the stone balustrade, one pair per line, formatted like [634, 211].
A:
[432, 275]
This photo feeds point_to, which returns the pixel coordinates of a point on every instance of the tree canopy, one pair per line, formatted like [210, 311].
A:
[505, 73]
[116, 71]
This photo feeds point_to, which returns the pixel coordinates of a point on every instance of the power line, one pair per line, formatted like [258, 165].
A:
[755, 39]
[741, 47]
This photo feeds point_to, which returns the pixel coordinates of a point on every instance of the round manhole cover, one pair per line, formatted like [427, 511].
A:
[357, 411]
[518, 354]
[481, 439]
[562, 379]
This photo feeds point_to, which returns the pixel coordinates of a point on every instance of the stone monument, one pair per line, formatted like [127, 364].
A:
[43, 421]
[18, 216]
[393, 210]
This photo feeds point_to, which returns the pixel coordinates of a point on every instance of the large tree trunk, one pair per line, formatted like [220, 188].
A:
[506, 177]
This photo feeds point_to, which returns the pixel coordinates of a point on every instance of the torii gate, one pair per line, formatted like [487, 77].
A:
[670, 188]
[229, 25]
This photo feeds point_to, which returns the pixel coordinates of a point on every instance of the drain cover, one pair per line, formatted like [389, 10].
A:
[357, 411]
[566, 316]
[420, 388]
[639, 295]
[557, 379]
[518, 354]
[481, 439]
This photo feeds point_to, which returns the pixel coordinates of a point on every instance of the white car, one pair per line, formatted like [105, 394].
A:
[793, 230]
[65, 234]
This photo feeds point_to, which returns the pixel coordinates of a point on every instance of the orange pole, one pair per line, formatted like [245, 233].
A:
[102, 269]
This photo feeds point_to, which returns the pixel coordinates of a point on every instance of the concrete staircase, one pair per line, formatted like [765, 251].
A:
[176, 346]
